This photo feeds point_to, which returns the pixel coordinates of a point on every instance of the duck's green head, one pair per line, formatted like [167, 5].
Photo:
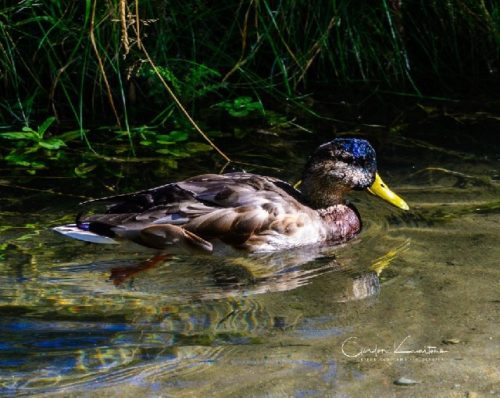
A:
[341, 165]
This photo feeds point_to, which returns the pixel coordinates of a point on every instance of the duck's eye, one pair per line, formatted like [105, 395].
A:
[361, 160]
[347, 157]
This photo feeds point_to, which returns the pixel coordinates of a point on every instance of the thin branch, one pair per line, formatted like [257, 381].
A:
[181, 107]
[50, 191]
[137, 25]
[123, 20]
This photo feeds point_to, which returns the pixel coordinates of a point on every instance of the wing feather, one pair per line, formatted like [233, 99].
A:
[236, 208]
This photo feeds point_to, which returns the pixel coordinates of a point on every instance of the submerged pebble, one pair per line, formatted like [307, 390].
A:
[280, 322]
[451, 341]
[404, 381]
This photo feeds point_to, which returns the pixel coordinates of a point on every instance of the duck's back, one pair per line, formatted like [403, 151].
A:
[243, 210]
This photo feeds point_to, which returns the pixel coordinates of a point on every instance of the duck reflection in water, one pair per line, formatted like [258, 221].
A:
[274, 272]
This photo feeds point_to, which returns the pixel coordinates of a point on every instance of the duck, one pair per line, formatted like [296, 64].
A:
[241, 211]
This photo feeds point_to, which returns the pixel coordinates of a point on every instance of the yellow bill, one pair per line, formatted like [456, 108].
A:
[380, 189]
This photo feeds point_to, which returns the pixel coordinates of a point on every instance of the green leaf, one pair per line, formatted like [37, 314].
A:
[248, 104]
[277, 119]
[194, 147]
[164, 140]
[31, 149]
[83, 169]
[52, 143]
[242, 101]
[241, 106]
[179, 153]
[57, 155]
[223, 104]
[238, 113]
[172, 138]
[72, 135]
[178, 135]
[38, 165]
[27, 135]
[45, 125]
[18, 160]
[163, 151]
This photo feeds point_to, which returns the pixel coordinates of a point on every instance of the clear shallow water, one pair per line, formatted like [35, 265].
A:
[415, 296]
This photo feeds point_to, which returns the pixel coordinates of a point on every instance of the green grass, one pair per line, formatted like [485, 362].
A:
[85, 63]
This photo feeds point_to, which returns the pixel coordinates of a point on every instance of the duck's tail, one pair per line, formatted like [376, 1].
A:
[79, 232]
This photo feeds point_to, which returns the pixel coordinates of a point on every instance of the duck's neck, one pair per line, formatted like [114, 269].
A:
[321, 194]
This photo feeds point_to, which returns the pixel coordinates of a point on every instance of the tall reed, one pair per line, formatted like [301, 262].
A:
[85, 62]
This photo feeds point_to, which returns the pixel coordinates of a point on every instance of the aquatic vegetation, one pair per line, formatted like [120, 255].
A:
[28, 143]
[241, 106]
[99, 62]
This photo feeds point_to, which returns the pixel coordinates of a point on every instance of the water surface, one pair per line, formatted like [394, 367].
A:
[414, 297]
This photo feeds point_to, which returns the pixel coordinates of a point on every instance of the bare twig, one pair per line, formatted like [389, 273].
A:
[181, 107]
[137, 25]
[123, 20]
[50, 191]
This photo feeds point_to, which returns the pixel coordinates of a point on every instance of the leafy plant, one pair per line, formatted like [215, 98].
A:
[189, 80]
[28, 143]
[241, 106]
[83, 169]
[175, 145]
[92, 62]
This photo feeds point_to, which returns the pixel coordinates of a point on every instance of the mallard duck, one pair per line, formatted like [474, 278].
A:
[244, 211]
